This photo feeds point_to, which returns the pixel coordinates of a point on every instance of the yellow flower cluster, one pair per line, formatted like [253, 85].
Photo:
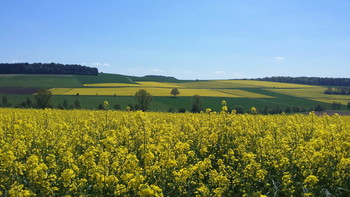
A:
[112, 153]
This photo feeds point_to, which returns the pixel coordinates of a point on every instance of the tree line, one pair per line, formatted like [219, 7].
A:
[160, 77]
[46, 68]
[326, 81]
[338, 90]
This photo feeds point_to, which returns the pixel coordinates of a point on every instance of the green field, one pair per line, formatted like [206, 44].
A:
[40, 81]
[119, 89]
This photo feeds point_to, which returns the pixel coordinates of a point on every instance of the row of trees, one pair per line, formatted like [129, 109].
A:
[46, 68]
[338, 90]
[161, 77]
[309, 80]
[42, 100]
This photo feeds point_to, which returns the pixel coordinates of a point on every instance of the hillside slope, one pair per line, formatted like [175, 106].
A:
[119, 89]
[70, 81]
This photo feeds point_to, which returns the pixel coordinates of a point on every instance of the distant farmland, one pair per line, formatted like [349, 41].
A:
[120, 89]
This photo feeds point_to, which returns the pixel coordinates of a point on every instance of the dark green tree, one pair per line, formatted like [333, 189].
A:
[59, 106]
[175, 92]
[28, 102]
[43, 98]
[276, 110]
[182, 110]
[117, 107]
[197, 104]
[239, 109]
[5, 101]
[131, 107]
[100, 107]
[296, 109]
[76, 104]
[265, 110]
[319, 108]
[288, 110]
[336, 105]
[171, 110]
[65, 104]
[144, 99]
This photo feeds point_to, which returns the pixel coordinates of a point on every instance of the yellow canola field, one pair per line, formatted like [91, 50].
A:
[264, 84]
[316, 94]
[130, 91]
[113, 153]
[212, 84]
[160, 84]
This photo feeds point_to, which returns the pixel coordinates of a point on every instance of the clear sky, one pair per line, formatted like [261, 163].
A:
[187, 39]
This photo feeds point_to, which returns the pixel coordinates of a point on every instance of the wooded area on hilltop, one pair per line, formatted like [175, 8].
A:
[46, 68]
[327, 81]
[160, 77]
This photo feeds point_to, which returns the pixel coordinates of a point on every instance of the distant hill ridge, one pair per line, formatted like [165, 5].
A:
[46, 68]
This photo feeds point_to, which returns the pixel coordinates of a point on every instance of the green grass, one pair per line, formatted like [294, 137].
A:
[39, 81]
[286, 100]
[103, 78]
[115, 78]
[69, 81]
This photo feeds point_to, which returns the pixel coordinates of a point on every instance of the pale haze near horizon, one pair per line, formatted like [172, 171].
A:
[184, 39]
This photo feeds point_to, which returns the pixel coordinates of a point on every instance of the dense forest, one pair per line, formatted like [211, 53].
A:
[309, 80]
[46, 68]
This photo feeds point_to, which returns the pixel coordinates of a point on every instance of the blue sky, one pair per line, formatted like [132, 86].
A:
[187, 39]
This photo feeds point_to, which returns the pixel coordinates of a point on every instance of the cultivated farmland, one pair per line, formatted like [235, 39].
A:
[113, 153]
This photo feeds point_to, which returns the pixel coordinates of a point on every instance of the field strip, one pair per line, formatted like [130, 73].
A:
[215, 84]
[60, 91]
[159, 84]
[212, 85]
[265, 84]
[244, 93]
[315, 94]
[130, 91]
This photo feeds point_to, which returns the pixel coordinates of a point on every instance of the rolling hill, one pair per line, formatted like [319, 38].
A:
[119, 89]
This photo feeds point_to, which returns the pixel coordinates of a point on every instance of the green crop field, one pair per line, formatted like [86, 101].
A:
[39, 81]
[315, 94]
[119, 89]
